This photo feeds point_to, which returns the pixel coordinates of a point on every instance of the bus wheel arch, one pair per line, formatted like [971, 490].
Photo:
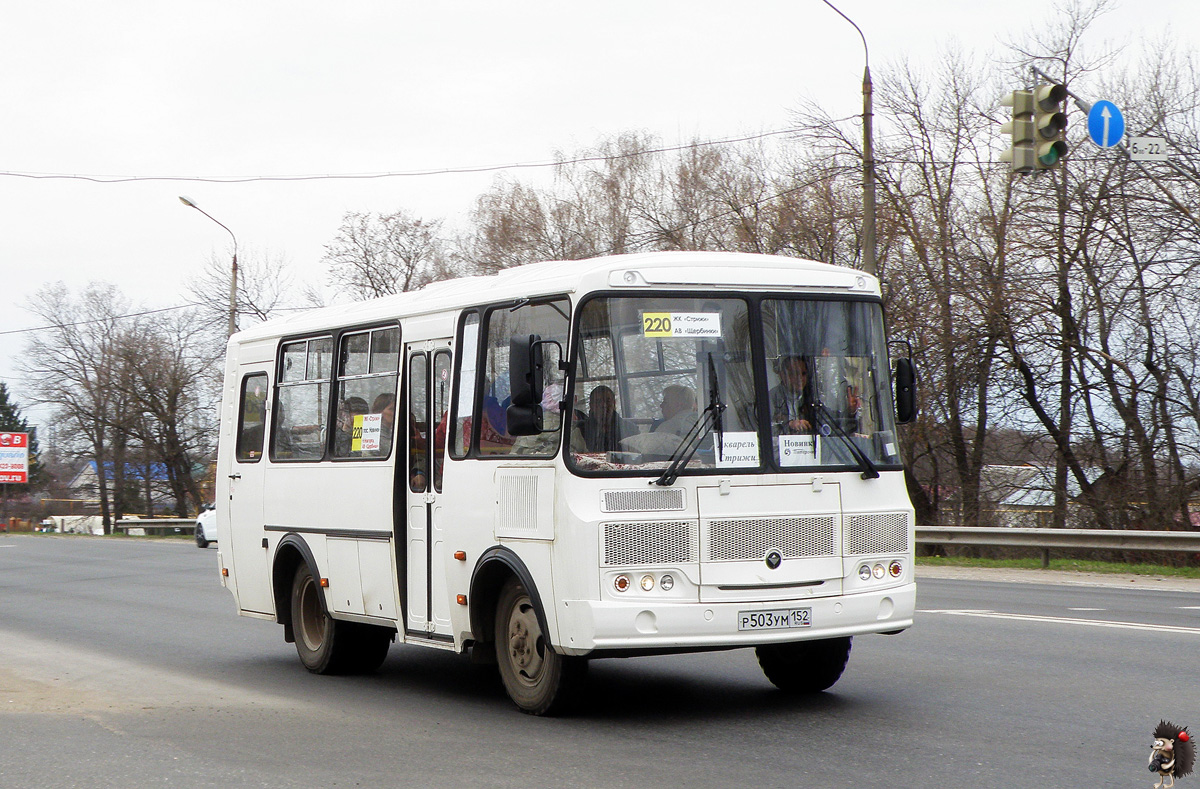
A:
[493, 570]
[291, 552]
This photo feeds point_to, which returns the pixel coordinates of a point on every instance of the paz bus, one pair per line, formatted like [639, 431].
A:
[626, 455]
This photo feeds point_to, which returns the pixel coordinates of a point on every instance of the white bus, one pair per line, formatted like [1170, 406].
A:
[628, 455]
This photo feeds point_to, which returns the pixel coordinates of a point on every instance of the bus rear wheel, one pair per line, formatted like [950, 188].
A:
[805, 666]
[538, 680]
[329, 646]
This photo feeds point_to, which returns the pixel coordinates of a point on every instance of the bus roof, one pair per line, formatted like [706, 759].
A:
[642, 271]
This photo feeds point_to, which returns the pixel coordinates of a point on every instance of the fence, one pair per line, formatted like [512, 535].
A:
[157, 526]
[1045, 539]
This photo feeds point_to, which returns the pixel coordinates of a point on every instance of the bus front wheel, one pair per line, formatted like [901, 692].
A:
[539, 680]
[805, 666]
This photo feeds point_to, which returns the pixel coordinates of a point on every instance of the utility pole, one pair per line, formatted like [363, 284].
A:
[868, 164]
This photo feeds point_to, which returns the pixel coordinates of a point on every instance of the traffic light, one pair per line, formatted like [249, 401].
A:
[1050, 125]
[1021, 153]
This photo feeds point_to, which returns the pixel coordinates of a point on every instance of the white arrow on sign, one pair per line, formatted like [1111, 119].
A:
[1107, 118]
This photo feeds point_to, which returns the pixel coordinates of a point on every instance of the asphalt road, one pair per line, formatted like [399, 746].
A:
[122, 664]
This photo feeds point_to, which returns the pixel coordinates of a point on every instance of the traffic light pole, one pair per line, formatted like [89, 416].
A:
[1086, 106]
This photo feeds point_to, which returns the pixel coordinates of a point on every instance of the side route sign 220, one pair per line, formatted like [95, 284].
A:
[14, 457]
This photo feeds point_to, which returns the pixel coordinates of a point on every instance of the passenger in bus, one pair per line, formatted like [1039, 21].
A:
[385, 406]
[678, 418]
[678, 410]
[347, 410]
[603, 428]
[792, 399]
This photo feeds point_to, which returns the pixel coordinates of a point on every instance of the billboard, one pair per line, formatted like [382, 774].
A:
[14, 457]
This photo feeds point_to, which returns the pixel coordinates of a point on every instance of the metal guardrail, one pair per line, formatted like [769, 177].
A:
[157, 526]
[1045, 539]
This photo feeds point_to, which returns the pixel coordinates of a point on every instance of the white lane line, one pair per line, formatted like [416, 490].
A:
[1188, 607]
[1061, 620]
[1087, 609]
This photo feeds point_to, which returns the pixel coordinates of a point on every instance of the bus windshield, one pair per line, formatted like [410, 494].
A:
[673, 380]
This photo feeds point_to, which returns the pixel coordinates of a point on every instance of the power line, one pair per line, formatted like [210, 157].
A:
[100, 320]
[237, 179]
[132, 315]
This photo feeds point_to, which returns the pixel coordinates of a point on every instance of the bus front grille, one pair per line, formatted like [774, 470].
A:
[649, 542]
[642, 500]
[877, 532]
[751, 538]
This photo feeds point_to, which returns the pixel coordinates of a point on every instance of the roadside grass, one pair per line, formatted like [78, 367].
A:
[1063, 565]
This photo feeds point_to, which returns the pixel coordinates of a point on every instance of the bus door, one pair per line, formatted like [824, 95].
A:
[244, 534]
[427, 603]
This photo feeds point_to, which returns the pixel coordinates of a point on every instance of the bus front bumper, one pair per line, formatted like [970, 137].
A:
[587, 626]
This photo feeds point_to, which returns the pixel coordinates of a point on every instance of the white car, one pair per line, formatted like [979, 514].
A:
[206, 526]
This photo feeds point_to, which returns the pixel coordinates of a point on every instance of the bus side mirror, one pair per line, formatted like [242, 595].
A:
[525, 376]
[906, 391]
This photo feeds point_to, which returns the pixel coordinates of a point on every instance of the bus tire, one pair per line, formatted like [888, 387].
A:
[805, 666]
[538, 680]
[369, 649]
[324, 644]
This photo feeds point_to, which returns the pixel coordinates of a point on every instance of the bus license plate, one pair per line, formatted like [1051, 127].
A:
[775, 620]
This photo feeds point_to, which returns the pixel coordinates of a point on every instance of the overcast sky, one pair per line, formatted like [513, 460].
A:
[248, 88]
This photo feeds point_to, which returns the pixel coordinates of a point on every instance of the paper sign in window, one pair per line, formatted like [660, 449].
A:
[681, 324]
[798, 450]
[366, 433]
[738, 450]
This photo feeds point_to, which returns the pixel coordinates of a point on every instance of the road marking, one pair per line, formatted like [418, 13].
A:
[1062, 620]
[1188, 607]
[1087, 609]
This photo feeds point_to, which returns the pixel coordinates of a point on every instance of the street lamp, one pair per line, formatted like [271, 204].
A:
[233, 274]
[868, 154]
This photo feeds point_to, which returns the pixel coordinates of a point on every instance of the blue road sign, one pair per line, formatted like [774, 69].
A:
[1106, 124]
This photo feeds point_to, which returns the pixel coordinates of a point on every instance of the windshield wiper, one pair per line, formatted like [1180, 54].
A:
[716, 406]
[709, 417]
[689, 444]
[868, 468]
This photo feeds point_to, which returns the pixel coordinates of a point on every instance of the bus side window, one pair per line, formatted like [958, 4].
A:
[298, 425]
[550, 321]
[252, 417]
[366, 394]
[418, 421]
[460, 442]
[441, 404]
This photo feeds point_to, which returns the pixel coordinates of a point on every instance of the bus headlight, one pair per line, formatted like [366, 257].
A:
[647, 583]
[864, 572]
[877, 571]
[894, 569]
[621, 583]
[666, 583]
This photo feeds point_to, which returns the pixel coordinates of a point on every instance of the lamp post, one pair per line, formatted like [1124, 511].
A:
[233, 277]
[868, 153]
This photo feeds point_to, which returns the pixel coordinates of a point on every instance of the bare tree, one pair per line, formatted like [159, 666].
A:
[70, 367]
[264, 287]
[377, 255]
